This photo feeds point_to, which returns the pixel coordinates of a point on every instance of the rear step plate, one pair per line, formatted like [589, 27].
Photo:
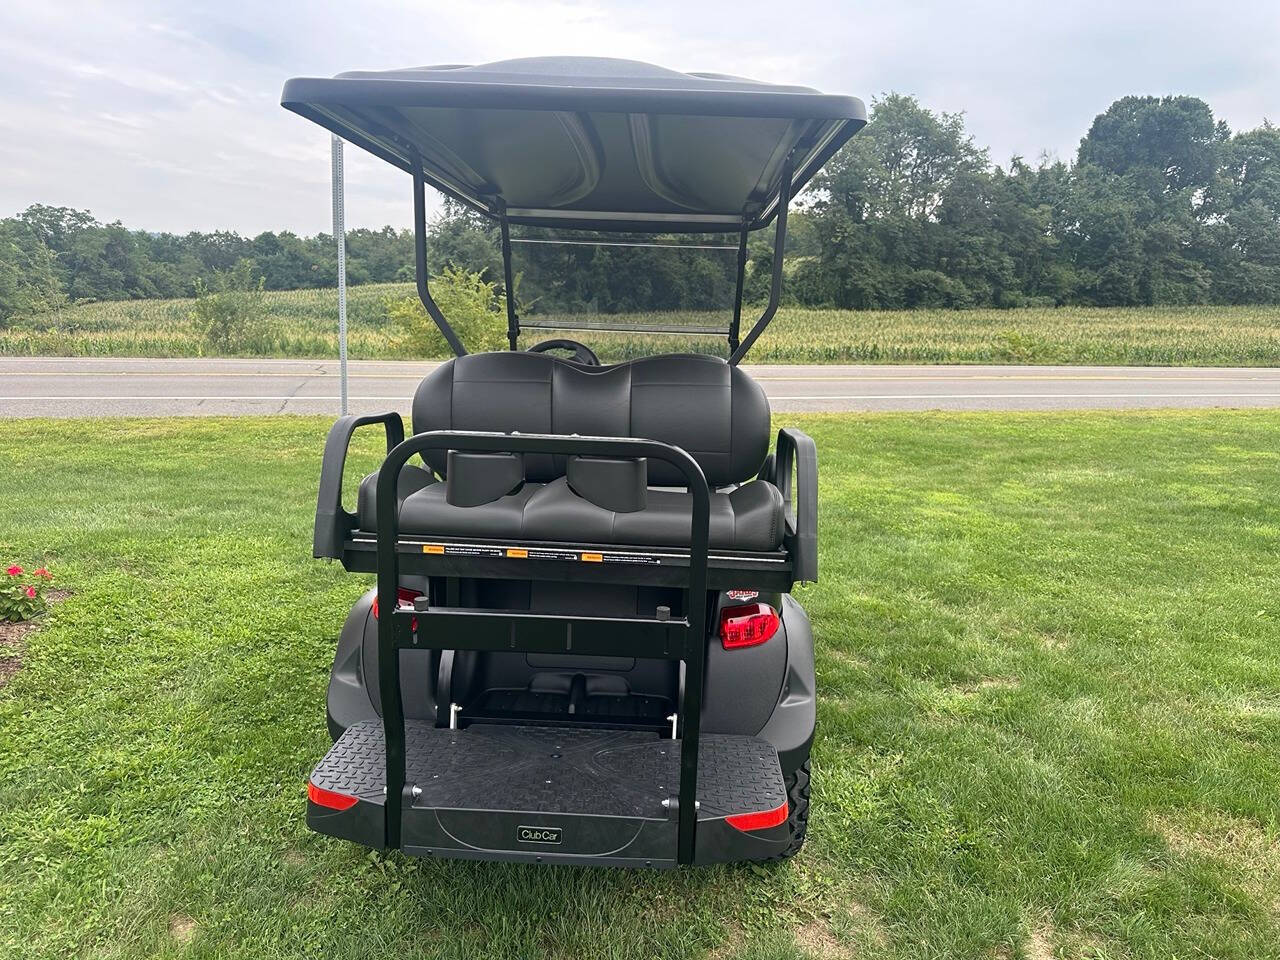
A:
[551, 794]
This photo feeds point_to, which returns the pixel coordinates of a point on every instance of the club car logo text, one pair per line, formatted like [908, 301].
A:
[539, 834]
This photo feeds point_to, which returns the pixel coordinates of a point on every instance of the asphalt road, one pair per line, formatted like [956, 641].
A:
[56, 387]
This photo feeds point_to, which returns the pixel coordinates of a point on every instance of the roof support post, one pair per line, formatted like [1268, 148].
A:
[340, 235]
[737, 296]
[508, 283]
[420, 257]
[775, 287]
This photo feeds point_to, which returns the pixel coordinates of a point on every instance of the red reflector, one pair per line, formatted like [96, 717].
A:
[747, 625]
[327, 798]
[759, 821]
[404, 597]
[405, 600]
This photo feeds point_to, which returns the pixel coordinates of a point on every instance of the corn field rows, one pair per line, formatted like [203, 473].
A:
[303, 323]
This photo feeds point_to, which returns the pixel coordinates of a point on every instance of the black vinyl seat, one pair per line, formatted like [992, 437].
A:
[746, 518]
[712, 410]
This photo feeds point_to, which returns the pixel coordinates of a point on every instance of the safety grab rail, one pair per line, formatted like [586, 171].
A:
[333, 523]
[797, 455]
[395, 632]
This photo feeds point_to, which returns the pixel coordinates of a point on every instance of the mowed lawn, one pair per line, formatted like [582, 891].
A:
[1049, 664]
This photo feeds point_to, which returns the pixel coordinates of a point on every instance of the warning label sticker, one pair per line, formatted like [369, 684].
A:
[535, 553]
[539, 554]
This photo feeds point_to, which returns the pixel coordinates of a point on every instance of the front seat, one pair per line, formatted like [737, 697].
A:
[713, 411]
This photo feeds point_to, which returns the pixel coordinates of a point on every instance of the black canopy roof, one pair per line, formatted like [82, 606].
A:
[589, 142]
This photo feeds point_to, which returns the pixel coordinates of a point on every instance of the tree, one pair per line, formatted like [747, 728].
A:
[1243, 234]
[891, 215]
[464, 240]
[28, 281]
[1175, 139]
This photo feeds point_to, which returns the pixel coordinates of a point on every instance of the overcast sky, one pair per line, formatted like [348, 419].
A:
[166, 114]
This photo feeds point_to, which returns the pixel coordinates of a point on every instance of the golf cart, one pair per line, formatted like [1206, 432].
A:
[582, 646]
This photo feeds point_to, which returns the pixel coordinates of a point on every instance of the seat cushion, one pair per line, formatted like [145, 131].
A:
[747, 518]
[411, 480]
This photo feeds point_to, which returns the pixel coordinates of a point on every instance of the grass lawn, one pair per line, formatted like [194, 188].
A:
[304, 323]
[1049, 661]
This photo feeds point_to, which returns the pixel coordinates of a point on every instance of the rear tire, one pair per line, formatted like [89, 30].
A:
[798, 817]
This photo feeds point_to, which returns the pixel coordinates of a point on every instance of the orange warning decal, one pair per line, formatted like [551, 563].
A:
[517, 553]
[592, 558]
[433, 548]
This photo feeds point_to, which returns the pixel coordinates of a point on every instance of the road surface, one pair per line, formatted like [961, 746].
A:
[56, 387]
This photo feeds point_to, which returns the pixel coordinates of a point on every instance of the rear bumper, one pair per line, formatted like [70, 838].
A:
[552, 795]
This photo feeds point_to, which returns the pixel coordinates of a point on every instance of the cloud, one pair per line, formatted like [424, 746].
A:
[167, 116]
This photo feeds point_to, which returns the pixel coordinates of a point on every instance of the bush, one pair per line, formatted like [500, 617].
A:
[230, 313]
[470, 304]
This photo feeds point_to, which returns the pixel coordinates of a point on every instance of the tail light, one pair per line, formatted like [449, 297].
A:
[747, 625]
[761, 820]
[329, 799]
[404, 598]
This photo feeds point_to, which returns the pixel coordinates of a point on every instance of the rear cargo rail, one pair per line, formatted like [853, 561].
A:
[427, 627]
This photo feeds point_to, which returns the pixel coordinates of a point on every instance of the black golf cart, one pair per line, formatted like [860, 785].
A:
[582, 647]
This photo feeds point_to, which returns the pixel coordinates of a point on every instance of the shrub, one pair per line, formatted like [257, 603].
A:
[22, 594]
[230, 312]
[470, 304]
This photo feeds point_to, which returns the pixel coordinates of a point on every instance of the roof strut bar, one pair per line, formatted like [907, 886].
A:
[508, 284]
[775, 287]
[420, 257]
[737, 296]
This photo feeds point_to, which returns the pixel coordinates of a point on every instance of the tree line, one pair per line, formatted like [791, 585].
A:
[1162, 204]
[54, 255]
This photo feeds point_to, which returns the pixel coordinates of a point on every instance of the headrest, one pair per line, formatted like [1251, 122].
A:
[713, 411]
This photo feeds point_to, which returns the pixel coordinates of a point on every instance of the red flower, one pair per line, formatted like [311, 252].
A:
[31, 592]
[14, 571]
[43, 572]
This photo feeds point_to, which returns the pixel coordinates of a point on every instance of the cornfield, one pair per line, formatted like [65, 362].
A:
[303, 323]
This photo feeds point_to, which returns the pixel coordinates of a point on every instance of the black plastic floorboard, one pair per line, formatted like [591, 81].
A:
[555, 770]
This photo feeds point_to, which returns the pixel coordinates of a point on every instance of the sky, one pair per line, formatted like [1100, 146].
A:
[166, 115]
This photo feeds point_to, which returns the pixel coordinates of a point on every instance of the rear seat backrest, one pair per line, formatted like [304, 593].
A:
[712, 410]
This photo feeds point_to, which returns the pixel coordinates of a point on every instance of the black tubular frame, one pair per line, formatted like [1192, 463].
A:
[420, 260]
[737, 350]
[674, 638]
[509, 285]
[775, 286]
[736, 325]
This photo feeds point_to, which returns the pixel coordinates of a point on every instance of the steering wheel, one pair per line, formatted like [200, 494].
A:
[581, 352]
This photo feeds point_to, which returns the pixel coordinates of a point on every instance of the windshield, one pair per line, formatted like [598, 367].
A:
[652, 284]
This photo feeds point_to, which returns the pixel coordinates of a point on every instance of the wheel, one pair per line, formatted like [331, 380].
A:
[581, 352]
[798, 802]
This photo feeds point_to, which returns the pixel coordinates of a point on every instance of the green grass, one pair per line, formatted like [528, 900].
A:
[304, 324]
[1048, 663]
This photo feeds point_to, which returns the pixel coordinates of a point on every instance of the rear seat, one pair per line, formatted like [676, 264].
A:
[712, 410]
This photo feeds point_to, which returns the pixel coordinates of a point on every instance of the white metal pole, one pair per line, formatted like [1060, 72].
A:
[340, 235]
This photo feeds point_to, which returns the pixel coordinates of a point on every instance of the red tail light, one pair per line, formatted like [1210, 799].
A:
[747, 625]
[404, 597]
[327, 798]
[761, 820]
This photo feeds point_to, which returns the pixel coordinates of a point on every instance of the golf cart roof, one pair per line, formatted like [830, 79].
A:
[589, 142]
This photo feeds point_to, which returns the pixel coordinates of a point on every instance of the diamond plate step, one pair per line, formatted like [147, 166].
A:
[555, 770]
